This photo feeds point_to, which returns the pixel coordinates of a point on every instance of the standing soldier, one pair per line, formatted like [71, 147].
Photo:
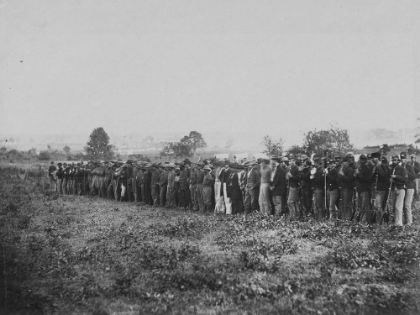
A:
[207, 191]
[224, 176]
[409, 191]
[307, 192]
[199, 187]
[416, 167]
[147, 184]
[66, 174]
[78, 179]
[264, 198]
[347, 183]
[234, 190]
[170, 190]
[163, 184]
[60, 174]
[380, 177]
[106, 179]
[183, 186]
[294, 178]
[193, 187]
[364, 183]
[332, 189]
[218, 189]
[51, 170]
[319, 192]
[154, 185]
[72, 179]
[252, 185]
[139, 184]
[399, 178]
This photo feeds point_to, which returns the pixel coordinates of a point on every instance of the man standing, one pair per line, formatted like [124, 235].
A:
[163, 184]
[224, 176]
[399, 178]
[218, 189]
[234, 192]
[278, 186]
[252, 185]
[199, 186]
[60, 174]
[409, 190]
[347, 183]
[208, 181]
[147, 184]
[380, 177]
[364, 183]
[154, 185]
[66, 171]
[264, 199]
[294, 178]
[319, 192]
[51, 170]
[332, 189]
[307, 192]
[170, 190]
[416, 167]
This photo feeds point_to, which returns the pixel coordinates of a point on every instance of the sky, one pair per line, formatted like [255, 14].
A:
[272, 67]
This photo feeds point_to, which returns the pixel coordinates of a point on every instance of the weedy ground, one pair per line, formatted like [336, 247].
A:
[85, 255]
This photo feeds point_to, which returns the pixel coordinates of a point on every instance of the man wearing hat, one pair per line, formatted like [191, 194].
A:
[346, 177]
[319, 189]
[265, 195]
[252, 185]
[60, 174]
[380, 180]
[199, 186]
[399, 178]
[278, 185]
[218, 188]
[224, 176]
[294, 177]
[416, 167]
[332, 188]
[170, 189]
[409, 190]
[208, 182]
[234, 192]
[51, 170]
[364, 184]
[154, 185]
[146, 190]
[307, 192]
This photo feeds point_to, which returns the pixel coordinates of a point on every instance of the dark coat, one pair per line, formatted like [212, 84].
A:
[279, 185]
[401, 177]
[232, 187]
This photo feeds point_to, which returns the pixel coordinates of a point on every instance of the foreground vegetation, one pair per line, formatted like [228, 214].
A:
[75, 255]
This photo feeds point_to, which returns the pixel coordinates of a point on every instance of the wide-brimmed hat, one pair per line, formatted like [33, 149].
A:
[207, 168]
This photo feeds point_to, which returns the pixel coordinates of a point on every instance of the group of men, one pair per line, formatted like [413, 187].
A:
[368, 190]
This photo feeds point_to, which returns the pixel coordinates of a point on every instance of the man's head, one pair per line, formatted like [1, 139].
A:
[317, 162]
[52, 162]
[275, 160]
[265, 162]
[403, 157]
[363, 159]
[226, 165]
[284, 161]
[350, 157]
[413, 157]
[59, 164]
[395, 159]
[375, 157]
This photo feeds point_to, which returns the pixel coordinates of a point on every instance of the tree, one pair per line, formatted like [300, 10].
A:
[44, 156]
[335, 139]
[66, 150]
[98, 147]
[296, 150]
[272, 147]
[411, 149]
[197, 140]
[176, 149]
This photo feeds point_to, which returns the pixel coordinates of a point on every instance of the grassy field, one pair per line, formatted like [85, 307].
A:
[84, 255]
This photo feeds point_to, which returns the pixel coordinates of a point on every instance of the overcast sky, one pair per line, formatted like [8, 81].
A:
[276, 67]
